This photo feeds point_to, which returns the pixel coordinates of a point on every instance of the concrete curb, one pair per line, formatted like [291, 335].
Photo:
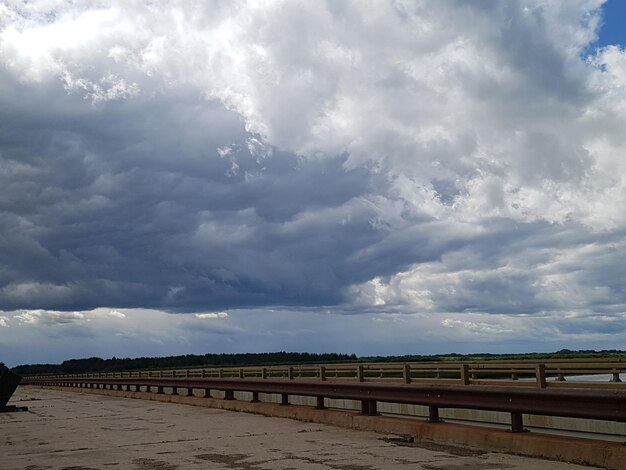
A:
[611, 455]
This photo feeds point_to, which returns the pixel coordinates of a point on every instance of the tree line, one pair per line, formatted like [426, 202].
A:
[97, 364]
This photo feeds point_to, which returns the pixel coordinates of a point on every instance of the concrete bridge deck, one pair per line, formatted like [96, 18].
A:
[75, 431]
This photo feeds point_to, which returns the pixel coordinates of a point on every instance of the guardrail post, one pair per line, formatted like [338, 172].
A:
[284, 399]
[241, 373]
[560, 377]
[540, 375]
[290, 373]
[517, 422]
[615, 377]
[433, 415]
[203, 373]
[322, 372]
[255, 397]
[465, 378]
[264, 373]
[406, 373]
[221, 373]
[514, 376]
[360, 376]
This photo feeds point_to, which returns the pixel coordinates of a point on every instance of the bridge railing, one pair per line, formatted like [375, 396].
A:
[564, 374]
[606, 405]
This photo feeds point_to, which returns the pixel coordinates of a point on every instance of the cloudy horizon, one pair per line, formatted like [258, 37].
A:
[370, 177]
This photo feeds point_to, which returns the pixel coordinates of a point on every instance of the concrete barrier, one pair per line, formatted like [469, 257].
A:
[8, 383]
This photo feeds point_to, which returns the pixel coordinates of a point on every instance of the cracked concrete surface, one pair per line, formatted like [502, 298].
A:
[72, 431]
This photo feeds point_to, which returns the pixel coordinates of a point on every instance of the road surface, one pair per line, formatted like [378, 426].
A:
[74, 431]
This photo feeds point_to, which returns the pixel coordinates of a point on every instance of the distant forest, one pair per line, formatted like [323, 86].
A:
[96, 364]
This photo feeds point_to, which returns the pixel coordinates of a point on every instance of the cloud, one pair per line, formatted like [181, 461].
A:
[116, 314]
[204, 316]
[4, 321]
[388, 157]
[49, 318]
[475, 327]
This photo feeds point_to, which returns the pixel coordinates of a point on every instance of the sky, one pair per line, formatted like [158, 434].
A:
[369, 177]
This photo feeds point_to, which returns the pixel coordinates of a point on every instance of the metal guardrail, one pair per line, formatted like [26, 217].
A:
[503, 373]
[608, 405]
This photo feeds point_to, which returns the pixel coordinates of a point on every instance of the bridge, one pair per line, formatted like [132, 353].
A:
[518, 390]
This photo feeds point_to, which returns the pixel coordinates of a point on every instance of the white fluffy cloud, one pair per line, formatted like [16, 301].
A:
[470, 111]
[211, 316]
[49, 318]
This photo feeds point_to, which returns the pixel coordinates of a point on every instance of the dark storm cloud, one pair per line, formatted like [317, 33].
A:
[441, 158]
[124, 204]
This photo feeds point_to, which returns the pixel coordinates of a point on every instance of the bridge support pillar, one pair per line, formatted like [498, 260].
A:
[369, 408]
[207, 393]
[284, 399]
[174, 391]
[159, 390]
[255, 397]
[189, 392]
[615, 377]
[517, 422]
[320, 404]
[229, 395]
[433, 415]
